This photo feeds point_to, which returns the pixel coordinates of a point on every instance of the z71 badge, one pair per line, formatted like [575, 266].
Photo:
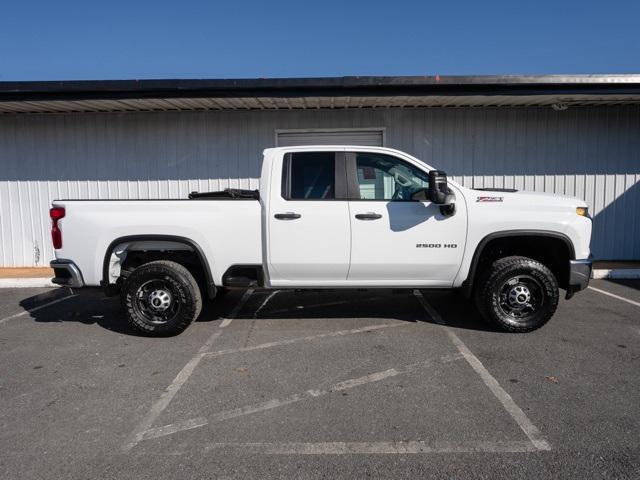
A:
[489, 199]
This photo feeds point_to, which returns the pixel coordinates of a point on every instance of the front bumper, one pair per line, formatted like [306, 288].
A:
[579, 275]
[66, 274]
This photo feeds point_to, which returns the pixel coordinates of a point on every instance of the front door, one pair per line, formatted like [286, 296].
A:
[309, 230]
[396, 240]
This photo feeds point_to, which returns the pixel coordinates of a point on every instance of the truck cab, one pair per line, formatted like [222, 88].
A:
[357, 217]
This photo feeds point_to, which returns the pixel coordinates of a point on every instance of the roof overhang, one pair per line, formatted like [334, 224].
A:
[318, 93]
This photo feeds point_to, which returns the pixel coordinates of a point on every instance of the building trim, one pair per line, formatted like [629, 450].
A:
[321, 87]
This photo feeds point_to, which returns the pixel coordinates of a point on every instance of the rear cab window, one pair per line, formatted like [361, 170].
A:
[313, 176]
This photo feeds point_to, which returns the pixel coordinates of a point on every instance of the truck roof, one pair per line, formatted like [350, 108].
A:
[309, 148]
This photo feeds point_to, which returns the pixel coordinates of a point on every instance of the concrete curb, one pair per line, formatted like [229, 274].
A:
[616, 274]
[601, 273]
[26, 282]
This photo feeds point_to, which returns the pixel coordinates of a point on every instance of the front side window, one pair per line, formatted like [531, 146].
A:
[383, 177]
[312, 176]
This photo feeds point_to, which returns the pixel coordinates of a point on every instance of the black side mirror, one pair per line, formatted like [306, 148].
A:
[440, 194]
[438, 189]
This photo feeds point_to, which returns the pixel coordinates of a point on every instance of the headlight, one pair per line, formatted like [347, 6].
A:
[583, 211]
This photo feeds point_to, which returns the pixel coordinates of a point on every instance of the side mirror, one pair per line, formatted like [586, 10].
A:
[438, 189]
[440, 194]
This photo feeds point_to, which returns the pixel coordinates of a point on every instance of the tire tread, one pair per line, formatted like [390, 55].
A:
[188, 281]
[487, 282]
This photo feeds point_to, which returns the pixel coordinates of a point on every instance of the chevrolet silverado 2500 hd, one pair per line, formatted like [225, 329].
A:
[328, 217]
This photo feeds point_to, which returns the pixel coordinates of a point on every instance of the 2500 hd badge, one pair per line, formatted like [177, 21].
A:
[436, 245]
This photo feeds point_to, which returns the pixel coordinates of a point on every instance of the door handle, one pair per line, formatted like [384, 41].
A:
[287, 216]
[368, 216]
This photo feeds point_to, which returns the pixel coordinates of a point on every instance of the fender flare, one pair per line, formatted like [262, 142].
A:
[468, 283]
[109, 288]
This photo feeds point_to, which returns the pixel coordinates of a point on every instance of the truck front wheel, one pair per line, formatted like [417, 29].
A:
[517, 294]
[161, 298]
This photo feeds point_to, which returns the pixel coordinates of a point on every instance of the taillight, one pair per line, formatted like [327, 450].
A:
[56, 213]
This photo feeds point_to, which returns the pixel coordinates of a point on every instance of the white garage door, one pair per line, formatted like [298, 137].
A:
[368, 137]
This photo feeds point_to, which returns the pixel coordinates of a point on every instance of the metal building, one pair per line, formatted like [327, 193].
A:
[575, 135]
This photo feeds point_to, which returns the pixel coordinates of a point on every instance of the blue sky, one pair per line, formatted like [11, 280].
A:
[112, 39]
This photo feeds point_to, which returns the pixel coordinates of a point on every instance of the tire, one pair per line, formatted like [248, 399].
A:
[161, 298]
[517, 294]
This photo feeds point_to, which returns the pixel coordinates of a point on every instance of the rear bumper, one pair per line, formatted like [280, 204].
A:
[579, 275]
[66, 274]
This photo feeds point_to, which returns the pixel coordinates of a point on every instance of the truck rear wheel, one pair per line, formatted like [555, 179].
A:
[161, 298]
[517, 294]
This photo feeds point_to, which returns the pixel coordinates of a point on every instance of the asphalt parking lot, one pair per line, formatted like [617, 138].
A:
[323, 384]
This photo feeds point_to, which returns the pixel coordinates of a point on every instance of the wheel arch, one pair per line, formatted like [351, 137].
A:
[483, 245]
[111, 289]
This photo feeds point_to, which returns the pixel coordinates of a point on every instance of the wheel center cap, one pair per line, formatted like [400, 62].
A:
[519, 295]
[159, 300]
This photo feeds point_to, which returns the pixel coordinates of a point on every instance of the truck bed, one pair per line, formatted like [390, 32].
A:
[224, 230]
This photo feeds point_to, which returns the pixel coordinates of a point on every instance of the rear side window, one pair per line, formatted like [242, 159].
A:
[311, 176]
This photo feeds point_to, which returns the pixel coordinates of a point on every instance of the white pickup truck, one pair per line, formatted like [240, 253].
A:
[329, 217]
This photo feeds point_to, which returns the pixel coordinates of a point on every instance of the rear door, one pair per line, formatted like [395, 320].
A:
[396, 240]
[309, 227]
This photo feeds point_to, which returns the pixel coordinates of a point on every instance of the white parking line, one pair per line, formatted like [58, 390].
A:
[369, 448]
[432, 313]
[297, 397]
[529, 429]
[263, 304]
[173, 428]
[236, 309]
[289, 341]
[163, 402]
[142, 431]
[35, 309]
[225, 322]
[613, 295]
[165, 399]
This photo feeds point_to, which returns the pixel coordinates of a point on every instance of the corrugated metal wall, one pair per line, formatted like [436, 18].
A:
[589, 152]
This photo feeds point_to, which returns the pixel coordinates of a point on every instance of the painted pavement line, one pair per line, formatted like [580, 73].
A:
[236, 309]
[384, 448]
[613, 295]
[263, 304]
[35, 309]
[290, 341]
[435, 316]
[529, 429]
[165, 399]
[225, 322]
[193, 423]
